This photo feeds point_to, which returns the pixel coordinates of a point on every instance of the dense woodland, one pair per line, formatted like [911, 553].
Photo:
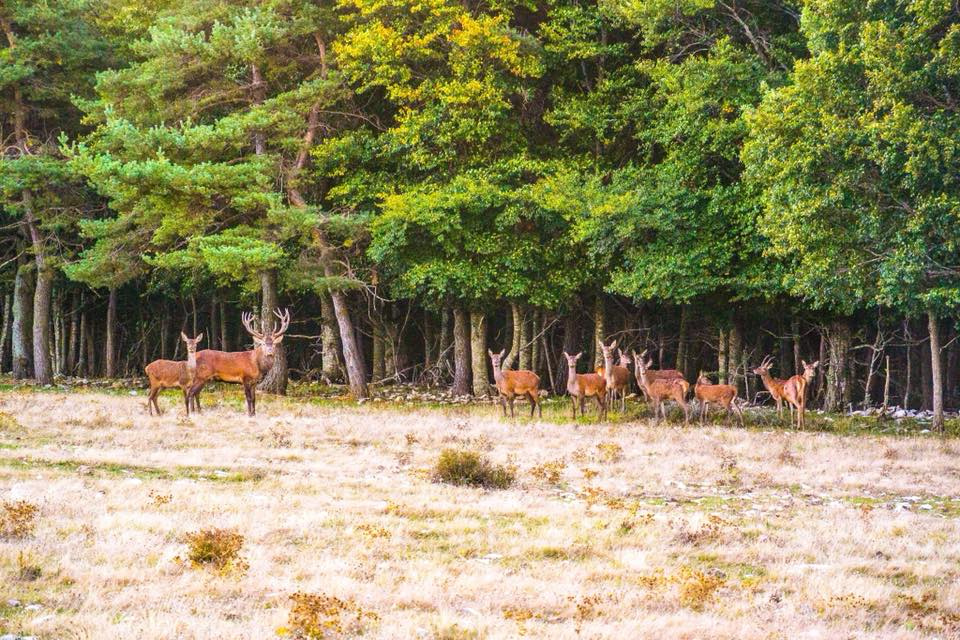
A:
[419, 180]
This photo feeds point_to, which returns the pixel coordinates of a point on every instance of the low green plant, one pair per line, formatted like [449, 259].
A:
[17, 518]
[464, 467]
[216, 548]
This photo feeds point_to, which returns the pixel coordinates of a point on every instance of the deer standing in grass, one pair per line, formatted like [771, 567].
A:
[795, 391]
[616, 376]
[655, 374]
[773, 385]
[242, 367]
[167, 374]
[723, 395]
[511, 384]
[582, 385]
[661, 389]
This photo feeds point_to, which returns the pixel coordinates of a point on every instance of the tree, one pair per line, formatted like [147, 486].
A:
[51, 52]
[857, 160]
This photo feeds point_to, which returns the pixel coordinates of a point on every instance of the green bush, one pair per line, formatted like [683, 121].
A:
[460, 467]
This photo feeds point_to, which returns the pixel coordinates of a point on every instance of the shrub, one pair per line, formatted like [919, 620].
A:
[17, 518]
[319, 617]
[610, 452]
[217, 548]
[549, 472]
[697, 587]
[460, 467]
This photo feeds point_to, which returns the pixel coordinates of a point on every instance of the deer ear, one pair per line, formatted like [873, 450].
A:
[278, 339]
[613, 345]
[815, 364]
[199, 337]
[489, 353]
[503, 352]
[577, 357]
[184, 336]
[566, 355]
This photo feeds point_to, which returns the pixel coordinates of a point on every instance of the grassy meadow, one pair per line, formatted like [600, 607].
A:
[321, 519]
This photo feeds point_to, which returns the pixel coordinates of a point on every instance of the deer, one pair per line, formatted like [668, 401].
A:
[795, 391]
[773, 385]
[655, 374]
[724, 395]
[660, 389]
[511, 384]
[616, 376]
[168, 374]
[242, 367]
[582, 385]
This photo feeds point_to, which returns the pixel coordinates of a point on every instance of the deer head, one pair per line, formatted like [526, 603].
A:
[266, 342]
[624, 358]
[703, 379]
[764, 367]
[572, 360]
[641, 365]
[191, 342]
[607, 350]
[496, 358]
[809, 370]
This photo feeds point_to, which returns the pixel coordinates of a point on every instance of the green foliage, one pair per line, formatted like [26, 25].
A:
[857, 158]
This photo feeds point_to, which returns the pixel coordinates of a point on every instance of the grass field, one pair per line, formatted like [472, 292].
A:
[623, 530]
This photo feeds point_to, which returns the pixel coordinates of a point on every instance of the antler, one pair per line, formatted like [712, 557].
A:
[767, 361]
[284, 317]
[248, 323]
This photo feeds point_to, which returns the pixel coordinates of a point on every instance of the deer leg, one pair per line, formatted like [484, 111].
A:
[186, 400]
[152, 399]
[533, 402]
[196, 401]
[253, 399]
[512, 398]
[573, 402]
[583, 401]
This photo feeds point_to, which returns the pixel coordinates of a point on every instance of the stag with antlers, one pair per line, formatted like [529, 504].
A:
[242, 367]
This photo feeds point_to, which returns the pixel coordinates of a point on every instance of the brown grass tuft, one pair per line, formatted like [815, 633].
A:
[17, 518]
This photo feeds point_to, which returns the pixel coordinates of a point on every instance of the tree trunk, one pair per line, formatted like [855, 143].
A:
[722, 359]
[535, 347]
[82, 363]
[212, 337]
[734, 357]
[461, 352]
[429, 338]
[950, 375]
[823, 355]
[478, 354]
[42, 368]
[838, 389]
[795, 331]
[926, 379]
[5, 334]
[516, 337]
[58, 340]
[445, 356]
[110, 351]
[164, 328]
[378, 353]
[91, 347]
[525, 346]
[275, 380]
[329, 336]
[224, 327]
[936, 370]
[599, 330]
[682, 348]
[23, 322]
[908, 384]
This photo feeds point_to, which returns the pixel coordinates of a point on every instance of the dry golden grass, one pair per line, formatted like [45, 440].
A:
[610, 531]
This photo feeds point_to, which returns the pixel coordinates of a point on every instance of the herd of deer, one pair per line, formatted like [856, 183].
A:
[606, 385]
[201, 367]
[612, 381]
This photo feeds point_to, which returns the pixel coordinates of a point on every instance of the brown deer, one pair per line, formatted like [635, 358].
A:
[511, 384]
[616, 376]
[723, 395]
[773, 385]
[660, 389]
[582, 385]
[795, 391]
[655, 374]
[242, 367]
[167, 374]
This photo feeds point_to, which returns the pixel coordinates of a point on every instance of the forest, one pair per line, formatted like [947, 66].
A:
[714, 181]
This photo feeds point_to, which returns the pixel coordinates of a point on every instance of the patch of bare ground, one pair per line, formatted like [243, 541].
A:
[341, 528]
